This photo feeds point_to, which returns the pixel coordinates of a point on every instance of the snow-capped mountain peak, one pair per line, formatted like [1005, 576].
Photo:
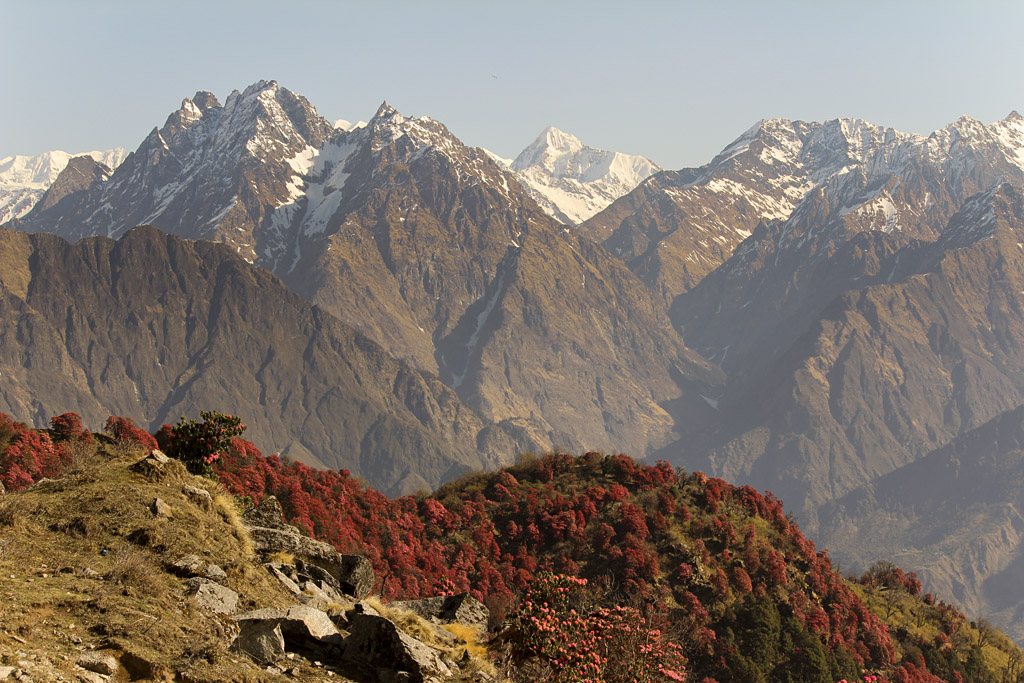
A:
[348, 126]
[24, 179]
[572, 181]
[552, 149]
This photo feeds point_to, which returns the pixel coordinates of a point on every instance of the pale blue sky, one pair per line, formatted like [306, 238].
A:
[675, 81]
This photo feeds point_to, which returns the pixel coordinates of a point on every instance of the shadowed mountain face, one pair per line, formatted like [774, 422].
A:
[956, 514]
[154, 327]
[887, 372]
[679, 226]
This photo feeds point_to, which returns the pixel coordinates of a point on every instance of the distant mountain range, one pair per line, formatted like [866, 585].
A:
[820, 307]
[24, 179]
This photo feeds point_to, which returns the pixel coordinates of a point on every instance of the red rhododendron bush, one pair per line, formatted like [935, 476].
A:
[28, 455]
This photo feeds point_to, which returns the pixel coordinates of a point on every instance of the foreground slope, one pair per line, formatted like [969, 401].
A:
[719, 570]
[153, 326]
[126, 567]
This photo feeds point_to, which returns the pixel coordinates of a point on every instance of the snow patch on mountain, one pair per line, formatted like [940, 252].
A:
[1010, 134]
[501, 161]
[572, 181]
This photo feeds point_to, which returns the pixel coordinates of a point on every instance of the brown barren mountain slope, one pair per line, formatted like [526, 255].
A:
[891, 371]
[957, 515]
[153, 327]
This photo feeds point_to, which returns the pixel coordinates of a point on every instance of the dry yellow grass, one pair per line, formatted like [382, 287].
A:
[228, 509]
[282, 557]
[84, 557]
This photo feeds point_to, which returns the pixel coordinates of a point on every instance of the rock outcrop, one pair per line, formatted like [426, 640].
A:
[462, 609]
[321, 563]
[159, 327]
[377, 642]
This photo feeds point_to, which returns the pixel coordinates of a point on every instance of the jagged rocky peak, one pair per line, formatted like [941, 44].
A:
[180, 120]
[191, 110]
[983, 214]
[210, 172]
[205, 99]
[413, 136]
[384, 111]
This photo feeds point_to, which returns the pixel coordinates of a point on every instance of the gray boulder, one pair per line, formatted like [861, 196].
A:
[318, 561]
[268, 541]
[378, 643]
[458, 609]
[321, 576]
[200, 497]
[356, 577]
[98, 662]
[285, 574]
[160, 508]
[299, 624]
[213, 596]
[215, 573]
[155, 466]
[188, 565]
[261, 640]
[267, 514]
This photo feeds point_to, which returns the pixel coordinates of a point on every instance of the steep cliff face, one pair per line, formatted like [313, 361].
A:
[153, 327]
[432, 248]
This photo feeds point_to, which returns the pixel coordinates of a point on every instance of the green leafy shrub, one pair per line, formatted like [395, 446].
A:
[199, 444]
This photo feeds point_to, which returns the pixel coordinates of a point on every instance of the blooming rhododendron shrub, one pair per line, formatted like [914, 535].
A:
[68, 427]
[124, 431]
[718, 569]
[199, 444]
[566, 638]
[28, 455]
